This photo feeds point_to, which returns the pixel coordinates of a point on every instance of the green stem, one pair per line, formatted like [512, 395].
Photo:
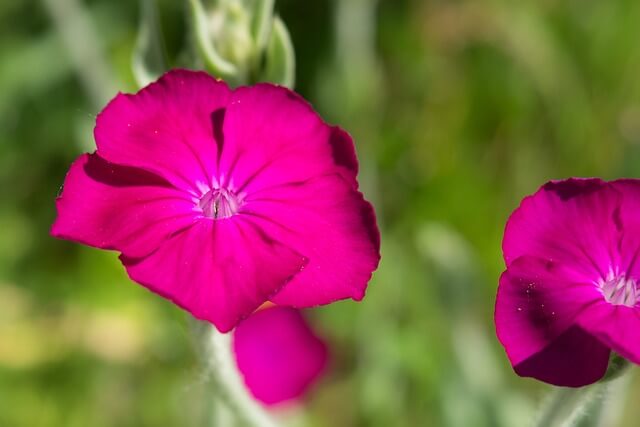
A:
[582, 407]
[558, 406]
[590, 413]
[574, 407]
[218, 357]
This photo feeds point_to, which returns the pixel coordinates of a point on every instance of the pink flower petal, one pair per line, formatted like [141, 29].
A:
[574, 359]
[273, 137]
[166, 128]
[279, 355]
[617, 326]
[328, 222]
[115, 207]
[536, 308]
[343, 151]
[574, 222]
[298, 175]
[218, 270]
[629, 245]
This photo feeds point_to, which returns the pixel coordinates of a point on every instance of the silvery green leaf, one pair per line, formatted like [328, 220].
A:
[279, 56]
[261, 23]
[149, 59]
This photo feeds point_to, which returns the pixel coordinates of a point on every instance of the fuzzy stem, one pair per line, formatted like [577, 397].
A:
[574, 407]
[587, 412]
[222, 370]
[557, 406]
[582, 407]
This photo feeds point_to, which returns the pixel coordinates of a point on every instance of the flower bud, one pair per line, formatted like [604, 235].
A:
[242, 42]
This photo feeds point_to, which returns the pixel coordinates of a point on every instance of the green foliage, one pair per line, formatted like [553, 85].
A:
[148, 61]
[458, 109]
[279, 57]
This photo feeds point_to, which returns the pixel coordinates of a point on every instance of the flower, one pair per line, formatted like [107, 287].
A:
[278, 354]
[569, 295]
[220, 199]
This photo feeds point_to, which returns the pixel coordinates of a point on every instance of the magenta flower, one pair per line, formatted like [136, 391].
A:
[221, 199]
[278, 354]
[570, 293]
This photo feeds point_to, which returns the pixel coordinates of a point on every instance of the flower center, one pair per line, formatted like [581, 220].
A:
[219, 203]
[619, 290]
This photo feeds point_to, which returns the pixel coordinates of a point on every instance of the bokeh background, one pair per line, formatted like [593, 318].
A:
[459, 109]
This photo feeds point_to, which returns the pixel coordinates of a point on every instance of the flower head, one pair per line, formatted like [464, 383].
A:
[278, 354]
[570, 294]
[221, 199]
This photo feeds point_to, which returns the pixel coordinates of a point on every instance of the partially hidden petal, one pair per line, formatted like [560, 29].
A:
[536, 313]
[114, 207]
[218, 270]
[330, 223]
[278, 354]
[166, 128]
[575, 222]
[574, 359]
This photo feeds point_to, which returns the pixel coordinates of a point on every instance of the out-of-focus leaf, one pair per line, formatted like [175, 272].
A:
[280, 59]
[261, 23]
[22, 64]
[78, 33]
[149, 59]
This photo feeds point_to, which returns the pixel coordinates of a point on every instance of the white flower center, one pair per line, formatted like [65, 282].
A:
[219, 203]
[619, 290]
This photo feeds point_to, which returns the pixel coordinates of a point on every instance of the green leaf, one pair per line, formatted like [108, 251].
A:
[261, 23]
[280, 58]
[149, 58]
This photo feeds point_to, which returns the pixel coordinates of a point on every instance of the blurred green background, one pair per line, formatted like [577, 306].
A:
[458, 108]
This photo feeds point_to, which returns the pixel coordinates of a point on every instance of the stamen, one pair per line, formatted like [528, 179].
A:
[219, 203]
[619, 290]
